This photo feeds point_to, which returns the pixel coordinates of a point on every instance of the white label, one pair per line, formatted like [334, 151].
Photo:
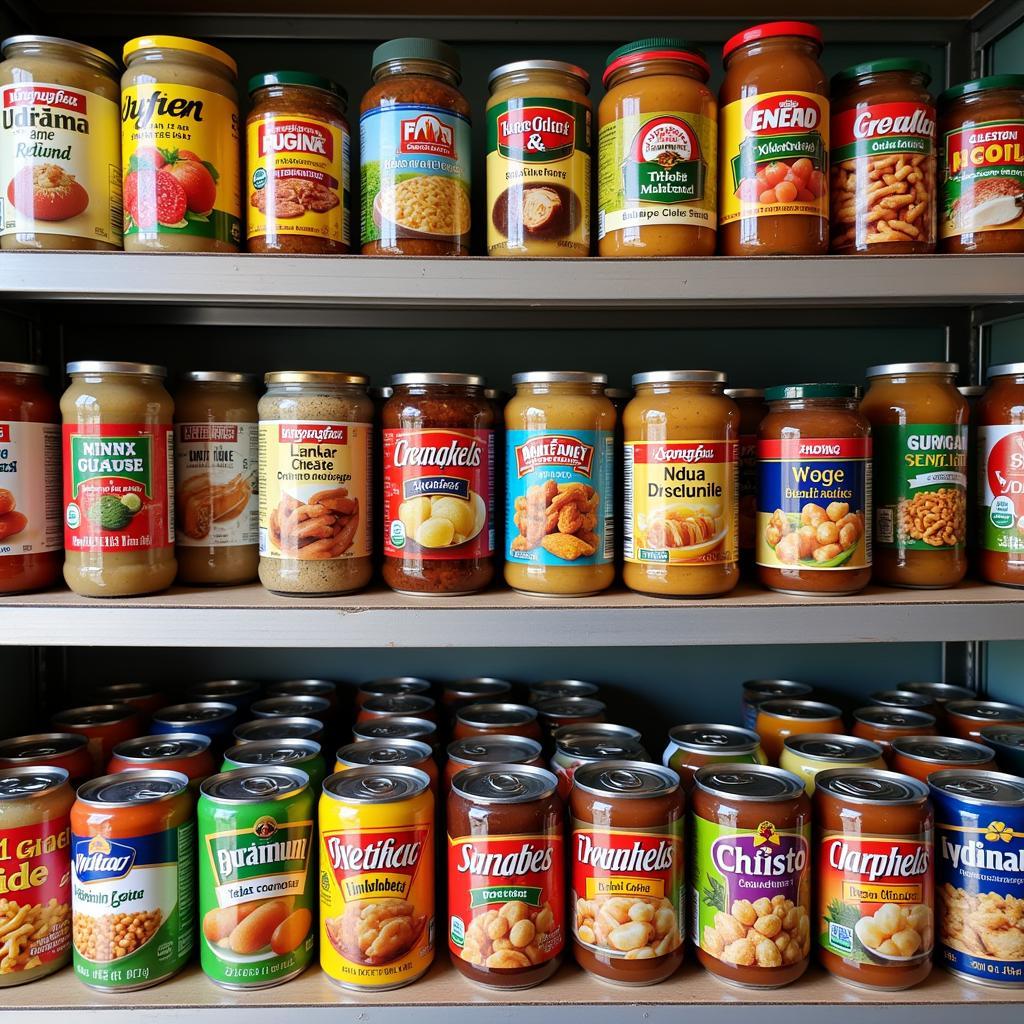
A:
[30, 482]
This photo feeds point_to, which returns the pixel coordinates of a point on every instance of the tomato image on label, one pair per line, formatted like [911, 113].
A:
[1001, 488]
[163, 186]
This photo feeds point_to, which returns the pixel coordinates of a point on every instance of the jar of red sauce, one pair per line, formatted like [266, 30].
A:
[693, 746]
[575, 750]
[757, 691]
[875, 886]
[103, 726]
[65, 750]
[505, 833]
[31, 540]
[884, 724]
[480, 751]
[403, 705]
[394, 687]
[920, 756]
[461, 692]
[777, 719]
[628, 877]
[494, 719]
[559, 711]
[966, 718]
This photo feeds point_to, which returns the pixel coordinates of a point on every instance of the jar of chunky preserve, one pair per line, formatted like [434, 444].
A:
[810, 753]
[750, 874]
[783, 717]
[774, 143]
[882, 725]
[415, 152]
[61, 145]
[966, 718]
[681, 475]
[919, 756]
[118, 449]
[478, 751]
[875, 903]
[691, 747]
[560, 536]
[919, 426]
[882, 164]
[757, 691]
[981, 129]
[505, 841]
[1000, 476]
[438, 516]
[753, 409]
[538, 160]
[30, 519]
[497, 719]
[628, 878]
[657, 177]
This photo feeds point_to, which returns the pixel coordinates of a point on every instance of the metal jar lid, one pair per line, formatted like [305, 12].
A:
[220, 377]
[504, 784]
[326, 378]
[90, 53]
[551, 688]
[127, 789]
[910, 369]
[1004, 735]
[84, 366]
[457, 380]
[27, 781]
[223, 689]
[408, 705]
[94, 714]
[197, 711]
[679, 377]
[254, 785]
[748, 782]
[295, 705]
[600, 748]
[942, 750]
[808, 710]
[901, 699]
[1006, 370]
[870, 786]
[766, 689]
[395, 727]
[288, 728]
[570, 707]
[626, 780]
[985, 710]
[540, 65]
[489, 716]
[710, 738]
[376, 785]
[559, 377]
[830, 747]
[979, 787]
[26, 369]
[261, 752]
[177, 745]
[323, 688]
[383, 752]
[738, 393]
[481, 686]
[882, 717]
[497, 749]
[939, 692]
[41, 744]
[606, 730]
[394, 686]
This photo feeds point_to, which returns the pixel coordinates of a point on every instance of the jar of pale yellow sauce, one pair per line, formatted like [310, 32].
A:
[560, 501]
[681, 467]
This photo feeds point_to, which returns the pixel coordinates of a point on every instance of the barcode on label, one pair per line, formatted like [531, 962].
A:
[886, 522]
[627, 492]
[600, 225]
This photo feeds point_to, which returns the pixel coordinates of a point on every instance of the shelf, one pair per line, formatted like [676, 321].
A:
[251, 617]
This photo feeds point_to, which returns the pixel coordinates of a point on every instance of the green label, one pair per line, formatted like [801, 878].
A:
[760, 149]
[100, 457]
[1001, 489]
[921, 486]
[528, 894]
[883, 145]
[537, 129]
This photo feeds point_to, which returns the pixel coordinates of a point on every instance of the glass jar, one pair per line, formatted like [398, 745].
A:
[657, 152]
[297, 164]
[751, 404]
[61, 147]
[1000, 476]
[215, 459]
[919, 424]
[30, 521]
[180, 147]
[882, 177]
[538, 160]
[438, 469]
[774, 84]
[814, 492]
[315, 468]
[118, 479]
[981, 124]
[681, 476]
[560, 537]
[415, 152]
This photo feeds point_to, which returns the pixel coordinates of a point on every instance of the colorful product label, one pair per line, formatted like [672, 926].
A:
[377, 899]
[814, 503]
[876, 897]
[314, 489]
[298, 178]
[983, 178]
[872, 130]
[180, 149]
[415, 168]
[438, 493]
[657, 168]
[921, 481]
[510, 887]
[741, 879]
[215, 484]
[775, 156]
[30, 499]
[538, 175]
[559, 496]
[1001, 489]
[60, 151]
[681, 502]
[627, 890]
[133, 900]
[35, 895]
[118, 487]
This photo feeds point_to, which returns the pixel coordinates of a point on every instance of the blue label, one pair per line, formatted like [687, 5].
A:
[560, 502]
[99, 859]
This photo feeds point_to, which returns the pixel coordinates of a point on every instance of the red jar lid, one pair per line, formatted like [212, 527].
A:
[772, 28]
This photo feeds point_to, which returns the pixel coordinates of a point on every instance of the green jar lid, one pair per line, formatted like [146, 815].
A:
[789, 391]
[880, 67]
[656, 47]
[416, 48]
[954, 92]
[302, 78]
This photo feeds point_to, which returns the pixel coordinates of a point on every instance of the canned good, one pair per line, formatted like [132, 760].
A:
[905, 699]
[383, 753]
[474, 751]
[256, 886]
[966, 718]
[492, 719]
[210, 718]
[240, 692]
[558, 711]
[392, 687]
[294, 706]
[939, 693]
[293, 753]
[402, 705]
[574, 751]
[921, 756]
[322, 688]
[185, 752]
[692, 746]
[552, 688]
[66, 750]
[1008, 743]
[103, 726]
[376, 838]
[399, 727]
[810, 753]
[609, 730]
[883, 725]
[474, 691]
[757, 691]
[288, 728]
[780, 718]
[137, 695]
[132, 881]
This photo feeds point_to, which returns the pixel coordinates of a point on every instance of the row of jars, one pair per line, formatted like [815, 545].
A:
[824, 491]
[779, 164]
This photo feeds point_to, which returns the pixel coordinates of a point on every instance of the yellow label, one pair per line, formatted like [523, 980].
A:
[297, 178]
[61, 160]
[625, 886]
[314, 489]
[179, 147]
[774, 156]
[681, 502]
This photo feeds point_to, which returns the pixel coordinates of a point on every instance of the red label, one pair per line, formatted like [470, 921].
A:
[798, 448]
[628, 890]
[697, 453]
[117, 487]
[988, 145]
[376, 862]
[35, 894]
[427, 134]
[1005, 467]
[782, 114]
[554, 450]
[506, 887]
[298, 137]
[45, 96]
[438, 493]
[882, 120]
[5, 433]
[536, 130]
